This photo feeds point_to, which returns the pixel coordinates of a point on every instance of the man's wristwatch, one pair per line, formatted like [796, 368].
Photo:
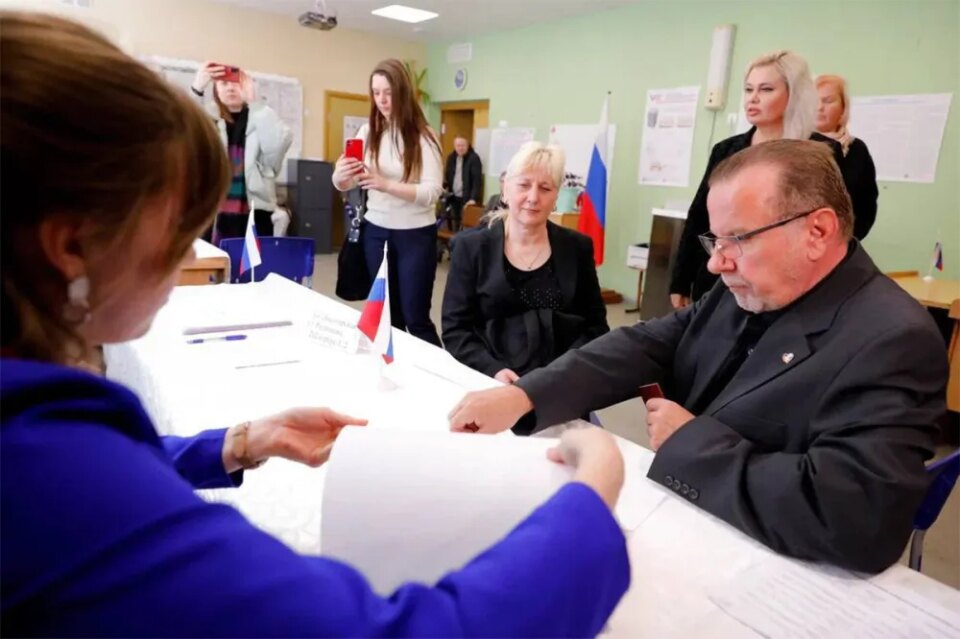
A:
[239, 450]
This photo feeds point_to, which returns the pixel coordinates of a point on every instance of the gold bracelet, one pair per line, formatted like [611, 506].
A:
[238, 448]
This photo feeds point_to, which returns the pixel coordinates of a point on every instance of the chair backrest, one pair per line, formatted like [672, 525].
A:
[291, 257]
[945, 472]
[472, 215]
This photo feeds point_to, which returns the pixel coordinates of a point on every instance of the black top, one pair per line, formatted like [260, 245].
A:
[494, 319]
[237, 130]
[690, 276]
[537, 288]
[860, 176]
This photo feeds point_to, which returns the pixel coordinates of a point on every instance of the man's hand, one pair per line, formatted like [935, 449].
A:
[678, 301]
[664, 418]
[506, 376]
[490, 411]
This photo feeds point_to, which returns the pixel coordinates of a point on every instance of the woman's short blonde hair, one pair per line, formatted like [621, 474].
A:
[800, 118]
[841, 86]
[534, 156]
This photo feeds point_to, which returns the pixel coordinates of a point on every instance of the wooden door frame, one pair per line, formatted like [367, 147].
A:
[470, 105]
[328, 95]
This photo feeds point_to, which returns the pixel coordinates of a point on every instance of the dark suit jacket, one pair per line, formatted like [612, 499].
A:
[817, 445]
[472, 175]
[690, 275]
[487, 327]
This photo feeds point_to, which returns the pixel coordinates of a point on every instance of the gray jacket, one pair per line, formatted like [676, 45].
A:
[267, 143]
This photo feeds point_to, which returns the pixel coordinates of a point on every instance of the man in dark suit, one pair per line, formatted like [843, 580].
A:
[801, 393]
[462, 179]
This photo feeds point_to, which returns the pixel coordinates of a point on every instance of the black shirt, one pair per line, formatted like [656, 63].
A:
[535, 289]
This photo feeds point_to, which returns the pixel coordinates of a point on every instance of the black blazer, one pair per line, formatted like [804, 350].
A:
[690, 275]
[816, 447]
[488, 328]
[472, 175]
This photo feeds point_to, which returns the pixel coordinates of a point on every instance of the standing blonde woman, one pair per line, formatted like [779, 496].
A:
[403, 175]
[859, 171]
[780, 101]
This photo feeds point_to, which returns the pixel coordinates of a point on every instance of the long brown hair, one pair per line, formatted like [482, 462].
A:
[406, 119]
[225, 113]
[90, 133]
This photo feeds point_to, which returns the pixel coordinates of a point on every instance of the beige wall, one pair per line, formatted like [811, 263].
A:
[338, 60]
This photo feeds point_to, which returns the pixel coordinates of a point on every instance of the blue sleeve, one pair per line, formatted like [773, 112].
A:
[110, 541]
[199, 459]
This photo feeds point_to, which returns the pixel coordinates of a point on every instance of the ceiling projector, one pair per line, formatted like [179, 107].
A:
[320, 18]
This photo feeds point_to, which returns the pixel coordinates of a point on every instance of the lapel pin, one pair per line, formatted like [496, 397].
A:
[787, 358]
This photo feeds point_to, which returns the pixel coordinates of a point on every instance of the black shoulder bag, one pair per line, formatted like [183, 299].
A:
[353, 278]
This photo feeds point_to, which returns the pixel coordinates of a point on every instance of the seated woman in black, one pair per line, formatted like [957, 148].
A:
[522, 291]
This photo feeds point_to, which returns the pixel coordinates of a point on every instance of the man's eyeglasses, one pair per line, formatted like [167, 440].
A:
[730, 246]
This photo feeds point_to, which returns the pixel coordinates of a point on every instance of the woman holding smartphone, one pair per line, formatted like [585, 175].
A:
[402, 173]
[256, 140]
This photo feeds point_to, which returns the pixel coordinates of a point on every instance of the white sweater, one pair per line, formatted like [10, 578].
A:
[392, 212]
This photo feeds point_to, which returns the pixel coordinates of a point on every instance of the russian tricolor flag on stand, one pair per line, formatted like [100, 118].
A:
[593, 206]
[938, 256]
[375, 317]
[250, 257]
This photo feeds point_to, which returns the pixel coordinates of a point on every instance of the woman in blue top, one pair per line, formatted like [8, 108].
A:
[108, 175]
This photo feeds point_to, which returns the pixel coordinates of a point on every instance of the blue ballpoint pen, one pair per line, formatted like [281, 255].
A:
[224, 338]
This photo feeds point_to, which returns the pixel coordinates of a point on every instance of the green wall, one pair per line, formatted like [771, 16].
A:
[558, 72]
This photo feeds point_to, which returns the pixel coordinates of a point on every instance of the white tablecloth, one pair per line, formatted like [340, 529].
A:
[692, 575]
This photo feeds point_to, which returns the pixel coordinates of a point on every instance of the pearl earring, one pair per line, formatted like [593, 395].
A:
[77, 308]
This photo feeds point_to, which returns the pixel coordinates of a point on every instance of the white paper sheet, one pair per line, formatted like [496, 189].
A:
[783, 598]
[903, 133]
[351, 125]
[440, 497]
[504, 143]
[667, 144]
[481, 144]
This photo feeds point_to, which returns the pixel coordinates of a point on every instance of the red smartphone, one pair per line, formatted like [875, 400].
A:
[354, 149]
[650, 391]
[230, 74]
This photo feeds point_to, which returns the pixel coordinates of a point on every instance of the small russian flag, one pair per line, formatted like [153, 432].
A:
[250, 258]
[375, 317]
[938, 256]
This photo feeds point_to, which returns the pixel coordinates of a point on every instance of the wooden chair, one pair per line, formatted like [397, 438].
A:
[470, 219]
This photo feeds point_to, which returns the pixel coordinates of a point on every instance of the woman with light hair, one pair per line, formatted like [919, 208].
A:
[780, 101]
[858, 169]
[522, 291]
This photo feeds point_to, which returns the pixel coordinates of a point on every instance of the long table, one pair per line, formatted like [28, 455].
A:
[933, 293]
[692, 574]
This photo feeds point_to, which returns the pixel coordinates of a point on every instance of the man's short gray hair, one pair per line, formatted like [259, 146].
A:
[808, 177]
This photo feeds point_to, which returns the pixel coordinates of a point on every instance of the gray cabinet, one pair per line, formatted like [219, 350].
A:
[310, 195]
[664, 238]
